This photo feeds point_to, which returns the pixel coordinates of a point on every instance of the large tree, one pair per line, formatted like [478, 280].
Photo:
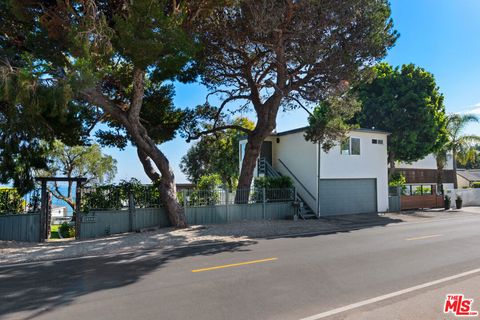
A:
[267, 55]
[110, 58]
[78, 161]
[216, 153]
[407, 103]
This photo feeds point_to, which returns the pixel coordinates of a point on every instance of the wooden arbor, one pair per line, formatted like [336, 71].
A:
[44, 207]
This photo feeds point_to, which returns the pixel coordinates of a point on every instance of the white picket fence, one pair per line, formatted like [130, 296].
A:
[470, 197]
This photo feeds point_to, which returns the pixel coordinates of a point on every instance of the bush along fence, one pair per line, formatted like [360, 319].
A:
[118, 209]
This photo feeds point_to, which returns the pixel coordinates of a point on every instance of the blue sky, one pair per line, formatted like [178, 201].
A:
[442, 36]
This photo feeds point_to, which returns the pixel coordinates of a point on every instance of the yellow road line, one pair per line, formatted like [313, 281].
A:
[234, 265]
[424, 237]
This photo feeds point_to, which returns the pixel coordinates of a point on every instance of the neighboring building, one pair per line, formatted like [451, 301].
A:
[59, 211]
[467, 177]
[59, 214]
[351, 178]
[423, 174]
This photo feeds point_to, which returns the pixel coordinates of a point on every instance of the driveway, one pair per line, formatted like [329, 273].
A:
[280, 278]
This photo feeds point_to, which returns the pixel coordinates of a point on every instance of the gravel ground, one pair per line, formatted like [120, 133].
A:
[17, 252]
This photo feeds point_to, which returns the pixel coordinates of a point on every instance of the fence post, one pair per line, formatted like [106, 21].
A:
[295, 208]
[131, 211]
[184, 192]
[264, 203]
[226, 204]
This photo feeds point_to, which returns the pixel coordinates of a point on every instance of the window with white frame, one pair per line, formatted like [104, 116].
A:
[377, 141]
[350, 146]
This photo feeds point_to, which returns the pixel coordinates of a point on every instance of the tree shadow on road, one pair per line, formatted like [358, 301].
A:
[343, 224]
[32, 290]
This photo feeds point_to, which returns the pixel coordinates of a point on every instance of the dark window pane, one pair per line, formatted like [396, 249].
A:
[355, 146]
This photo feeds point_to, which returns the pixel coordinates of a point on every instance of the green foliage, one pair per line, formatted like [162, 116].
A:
[275, 188]
[282, 182]
[78, 161]
[11, 201]
[397, 180]
[116, 196]
[209, 182]
[206, 191]
[468, 157]
[273, 56]
[66, 230]
[216, 154]
[329, 121]
[407, 103]
[68, 65]
[475, 184]
[458, 142]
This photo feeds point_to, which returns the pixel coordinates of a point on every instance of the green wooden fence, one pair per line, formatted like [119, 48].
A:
[103, 223]
[20, 227]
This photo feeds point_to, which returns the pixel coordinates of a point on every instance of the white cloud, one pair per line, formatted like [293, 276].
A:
[475, 109]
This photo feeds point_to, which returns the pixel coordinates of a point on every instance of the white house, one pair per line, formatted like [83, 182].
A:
[59, 211]
[59, 214]
[351, 178]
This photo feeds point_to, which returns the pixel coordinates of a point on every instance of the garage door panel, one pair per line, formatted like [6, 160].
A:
[347, 196]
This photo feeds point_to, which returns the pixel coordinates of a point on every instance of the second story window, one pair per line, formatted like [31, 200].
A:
[350, 146]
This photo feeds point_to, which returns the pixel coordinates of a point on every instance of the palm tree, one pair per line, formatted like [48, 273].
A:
[456, 124]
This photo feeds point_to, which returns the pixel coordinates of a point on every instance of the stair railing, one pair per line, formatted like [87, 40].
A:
[264, 167]
[297, 180]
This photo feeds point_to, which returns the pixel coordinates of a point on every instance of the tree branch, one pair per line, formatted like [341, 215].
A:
[138, 93]
[236, 127]
[147, 166]
[95, 97]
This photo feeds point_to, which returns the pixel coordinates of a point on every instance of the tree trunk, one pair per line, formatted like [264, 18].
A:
[391, 161]
[440, 166]
[252, 152]
[454, 159]
[147, 150]
[166, 187]
[168, 196]
[267, 116]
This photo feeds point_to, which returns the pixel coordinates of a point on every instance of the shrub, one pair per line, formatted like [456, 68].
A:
[397, 180]
[275, 188]
[282, 182]
[11, 201]
[476, 185]
[117, 196]
[66, 230]
[206, 191]
[209, 182]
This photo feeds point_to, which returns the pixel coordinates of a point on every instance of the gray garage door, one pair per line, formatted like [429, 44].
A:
[347, 196]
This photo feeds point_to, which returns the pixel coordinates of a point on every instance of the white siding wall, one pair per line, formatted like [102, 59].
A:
[428, 162]
[300, 157]
[371, 163]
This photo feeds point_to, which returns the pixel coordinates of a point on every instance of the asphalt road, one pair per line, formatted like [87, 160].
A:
[283, 278]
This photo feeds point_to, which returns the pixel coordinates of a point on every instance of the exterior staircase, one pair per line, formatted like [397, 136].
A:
[265, 168]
